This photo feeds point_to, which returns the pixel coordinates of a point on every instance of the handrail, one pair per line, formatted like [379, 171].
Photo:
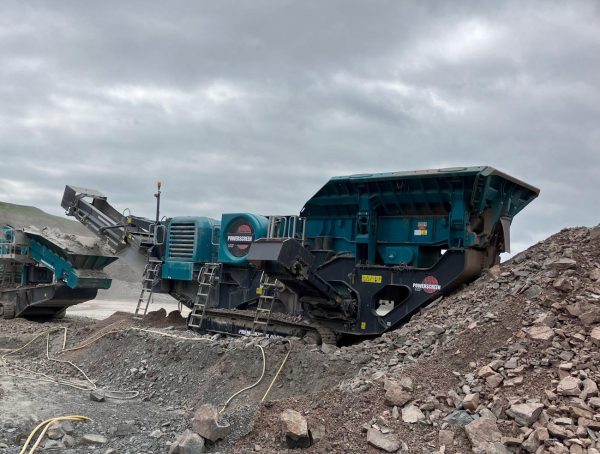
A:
[290, 226]
[9, 245]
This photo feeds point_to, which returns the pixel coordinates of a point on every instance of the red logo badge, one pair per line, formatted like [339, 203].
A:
[429, 285]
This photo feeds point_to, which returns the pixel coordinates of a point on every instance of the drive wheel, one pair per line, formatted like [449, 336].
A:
[8, 309]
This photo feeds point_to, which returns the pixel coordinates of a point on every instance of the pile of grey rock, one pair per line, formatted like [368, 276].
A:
[536, 394]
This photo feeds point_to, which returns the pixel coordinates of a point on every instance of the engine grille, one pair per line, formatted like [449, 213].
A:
[182, 240]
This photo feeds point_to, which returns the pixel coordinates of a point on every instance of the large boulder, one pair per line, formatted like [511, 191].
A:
[591, 316]
[483, 430]
[578, 308]
[206, 423]
[387, 442]
[541, 332]
[485, 372]
[590, 388]
[471, 402]
[412, 414]
[569, 386]
[188, 443]
[459, 418]
[525, 414]
[535, 439]
[294, 428]
[563, 264]
[563, 284]
[396, 394]
[493, 381]
[55, 431]
[94, 439]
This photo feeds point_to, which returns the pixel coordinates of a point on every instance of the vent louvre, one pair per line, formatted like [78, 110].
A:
[182, 240]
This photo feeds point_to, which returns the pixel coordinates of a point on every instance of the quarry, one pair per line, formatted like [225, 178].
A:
[257, 349]
[288, 227]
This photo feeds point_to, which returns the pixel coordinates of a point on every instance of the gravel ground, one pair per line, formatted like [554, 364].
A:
[172, 376]
[524, 335]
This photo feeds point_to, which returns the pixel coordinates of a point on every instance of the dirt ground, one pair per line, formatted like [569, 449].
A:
[510, 338]
[170, 377]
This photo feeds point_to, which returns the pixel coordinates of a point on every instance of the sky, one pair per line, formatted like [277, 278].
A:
[252, 106]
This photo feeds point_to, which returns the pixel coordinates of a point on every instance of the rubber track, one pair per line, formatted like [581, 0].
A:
[327, 335]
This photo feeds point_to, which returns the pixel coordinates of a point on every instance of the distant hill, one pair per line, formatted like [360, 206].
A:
[25, 216]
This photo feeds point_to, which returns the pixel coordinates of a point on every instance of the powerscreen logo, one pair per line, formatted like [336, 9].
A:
[239, 238]
[429, 285]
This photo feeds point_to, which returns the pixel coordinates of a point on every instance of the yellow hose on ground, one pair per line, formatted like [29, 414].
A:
[251, 386]
[278, 371]
[261, 377]
[112, 393]
[118, 394]
[45, 424]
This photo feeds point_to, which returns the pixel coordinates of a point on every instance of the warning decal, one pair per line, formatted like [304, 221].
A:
[372, 279]
[421, 229]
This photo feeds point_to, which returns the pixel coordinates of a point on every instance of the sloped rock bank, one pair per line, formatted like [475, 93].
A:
[510, 363]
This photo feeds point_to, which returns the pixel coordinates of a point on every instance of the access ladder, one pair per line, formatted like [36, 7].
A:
[207, 278]
[149, 277]
[10, 274]
[266, 300]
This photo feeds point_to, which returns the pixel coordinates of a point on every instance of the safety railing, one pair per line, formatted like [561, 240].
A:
[10, 274]
[286, 227]
[10, 247]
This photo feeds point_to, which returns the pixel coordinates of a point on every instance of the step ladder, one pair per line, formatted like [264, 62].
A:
[207, 278]
[4, 275]
[146, 294]
[266, 300]
[10, 274]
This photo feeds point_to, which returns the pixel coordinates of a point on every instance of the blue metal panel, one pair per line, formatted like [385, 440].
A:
[183, 271]
[405, 217]
[340, 232]
[396, 255]
[64, 270]
[191, 239]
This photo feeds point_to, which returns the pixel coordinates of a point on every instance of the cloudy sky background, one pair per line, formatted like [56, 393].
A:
[252, 106]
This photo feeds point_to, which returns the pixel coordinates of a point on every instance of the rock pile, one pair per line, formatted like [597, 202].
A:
[537, 392]
[509, 364]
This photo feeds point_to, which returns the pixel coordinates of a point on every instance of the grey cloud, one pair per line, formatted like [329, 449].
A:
[253, 106]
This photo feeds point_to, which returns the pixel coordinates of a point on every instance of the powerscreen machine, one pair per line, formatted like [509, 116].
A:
[42, 274]
[363, 254]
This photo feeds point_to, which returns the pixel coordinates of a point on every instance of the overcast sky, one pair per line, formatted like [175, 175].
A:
[252, 106]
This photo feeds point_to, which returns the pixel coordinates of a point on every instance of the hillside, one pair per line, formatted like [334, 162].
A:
[25, 216]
